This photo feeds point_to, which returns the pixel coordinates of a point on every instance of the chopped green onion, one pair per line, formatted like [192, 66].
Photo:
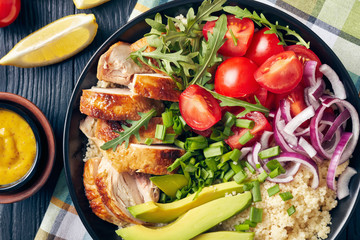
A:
[274, 173]
[186, 174]
[162, 198]
[273, 164]
[229, 119]
[273, 190]
[256, 193]
[245, 123]
[209, 86]
[233, 37]
[285, 196]
[251, 169]
[242, 227]
[167, 118]
[236, 167]
[229, 174]
[225, 157]
[182, 121]
[227, 131]
[270, 152]
[149, 141]
[256, 214]
[169, 138]
[240, 177]
[213, 151]
[258, 165]
[245, 138]
[178, 194]
[190, 168]
[179, 144]
[192, 160]
[291, 210]
[223, 166]
[177, 127]
[176, 163]
[174, 106]
[248, 186]
[250, 223]
[217, 135]
[160, 131]
[235, 154]
[217, 144]
[210, 162]
[204, 174]
[262, 176]
[195, 143]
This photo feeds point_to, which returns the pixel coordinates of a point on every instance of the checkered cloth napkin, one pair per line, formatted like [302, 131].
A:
[335, 21]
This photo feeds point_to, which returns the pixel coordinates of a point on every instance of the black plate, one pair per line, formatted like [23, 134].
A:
[74, 141]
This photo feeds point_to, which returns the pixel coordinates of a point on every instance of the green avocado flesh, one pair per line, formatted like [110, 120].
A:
[228, 235]
[167, 212]
[169, 184]
[193, 222]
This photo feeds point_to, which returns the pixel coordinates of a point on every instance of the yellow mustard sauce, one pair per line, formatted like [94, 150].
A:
[17, 146]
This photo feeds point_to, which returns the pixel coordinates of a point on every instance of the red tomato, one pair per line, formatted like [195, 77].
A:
[261, 124]
[305, 55]
[242, 29]
[9, 10]
[280, 73]
[297, 100]
[199, 108]
[263, 46]
[235, 77]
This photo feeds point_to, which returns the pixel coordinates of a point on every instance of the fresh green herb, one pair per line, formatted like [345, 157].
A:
[256, 193]
[160, 131]
[149, 141]
[285, 196]
[235, 40]
[270, 152]
[261, 20]
[239, 177]
[262, 177]
[245, 123]
[291, 210]
[242, 227]
[273, 190]
[256, 214]
[247, 136]
[176, 163]
[129, 131]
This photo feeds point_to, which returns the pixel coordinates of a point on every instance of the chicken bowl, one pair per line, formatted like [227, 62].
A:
[113, 181]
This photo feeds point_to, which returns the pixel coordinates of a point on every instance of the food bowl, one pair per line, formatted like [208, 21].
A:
[40, 170]
[74, 143]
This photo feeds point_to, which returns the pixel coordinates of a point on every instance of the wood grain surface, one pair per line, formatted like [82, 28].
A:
[50, 89]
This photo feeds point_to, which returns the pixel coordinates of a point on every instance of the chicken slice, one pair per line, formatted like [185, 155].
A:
[116, 104]
[115, 65]
[119, 191]
[92, 194]
[152, 159]
[155, 86]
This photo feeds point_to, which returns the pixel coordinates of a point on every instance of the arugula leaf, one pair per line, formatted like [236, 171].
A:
[249, 107]
[261, 20]
[129, 131]
[209, 58]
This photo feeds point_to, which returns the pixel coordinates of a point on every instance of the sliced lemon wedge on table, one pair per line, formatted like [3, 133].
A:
[53, 43]
[85, 4]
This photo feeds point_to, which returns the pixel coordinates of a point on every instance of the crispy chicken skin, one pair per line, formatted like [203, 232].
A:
[155, 86]
[115, 65]
[152, 159]
[92, 194]
[116, 104]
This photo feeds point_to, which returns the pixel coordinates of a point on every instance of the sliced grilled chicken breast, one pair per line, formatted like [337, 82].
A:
[116, 104]
[141, 158]
[155, 86]
[119, 191]
[115, 65]
[92, 194]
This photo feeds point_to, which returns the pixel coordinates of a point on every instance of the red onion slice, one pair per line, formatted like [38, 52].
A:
[343, 182]
[285, 110]
[311, 152]
[307, 162]
[265, 138]
[337, 85]
[299, 119]
[255, 157]
[289, 175]
[244, 152]
[279, 139]
[290, 138]
[339, 121]
[335, 160]
[309, 73]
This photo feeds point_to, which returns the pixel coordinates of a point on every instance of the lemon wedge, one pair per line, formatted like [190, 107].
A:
[85, 4]
[53, 43]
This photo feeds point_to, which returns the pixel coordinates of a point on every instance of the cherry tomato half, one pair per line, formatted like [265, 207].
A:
[261, 124]
[235, 77]
[263, 46]
[242, 29]
[199, 108]
[280, 73]
[9, 10]
[305, 55]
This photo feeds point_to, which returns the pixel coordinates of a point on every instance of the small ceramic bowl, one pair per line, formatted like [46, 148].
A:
[45, 156]
[24, 179]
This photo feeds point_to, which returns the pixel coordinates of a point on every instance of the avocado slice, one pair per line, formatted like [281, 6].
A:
[193, 222]
[169, 184]
[167, 212]
[228, 235]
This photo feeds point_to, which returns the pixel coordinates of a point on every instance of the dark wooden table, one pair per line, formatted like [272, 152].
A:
[50, 89]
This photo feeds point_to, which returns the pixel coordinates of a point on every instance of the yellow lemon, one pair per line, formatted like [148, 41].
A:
[85, 4]
[53, 43]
